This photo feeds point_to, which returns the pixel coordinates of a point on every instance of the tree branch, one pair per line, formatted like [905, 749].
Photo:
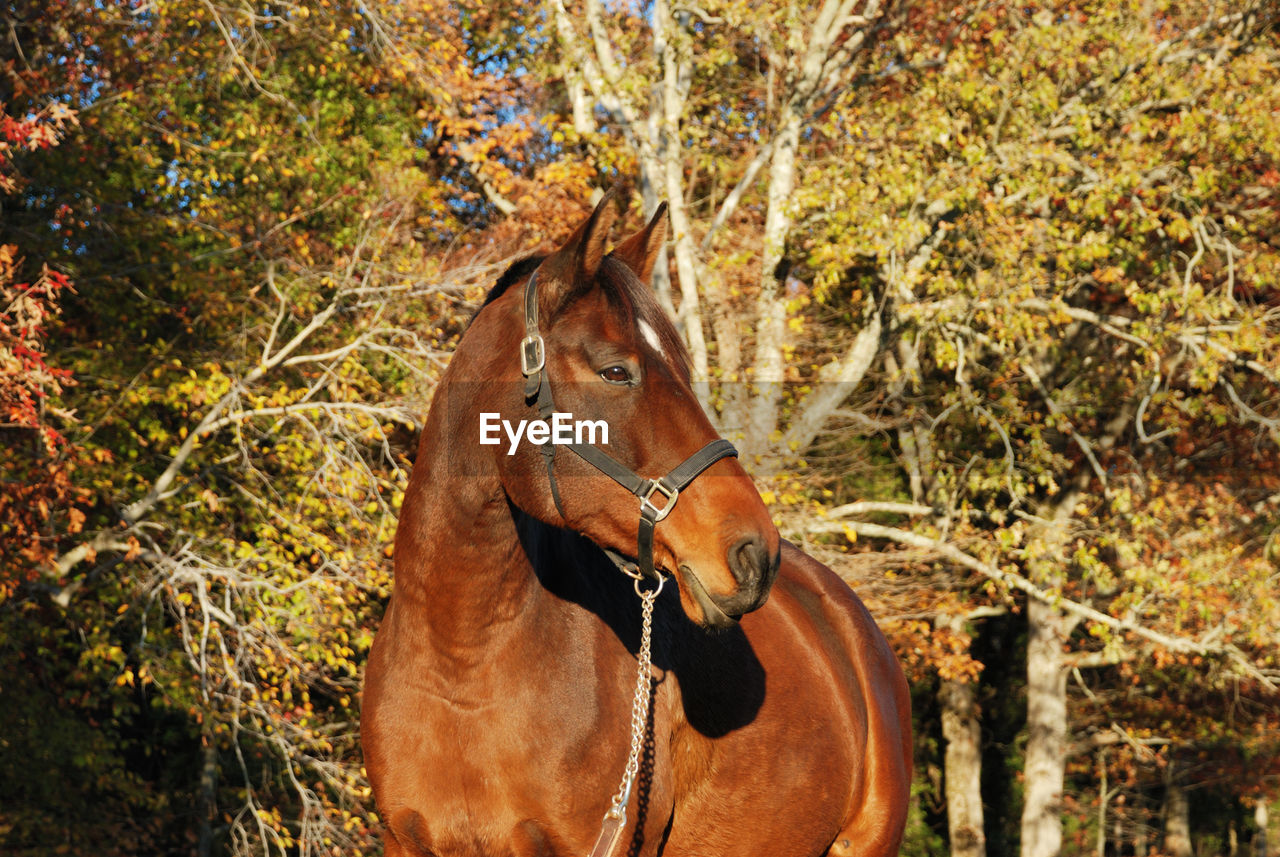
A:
[841, 377]
[1118, 326]
[837, 381]
[1180, 645]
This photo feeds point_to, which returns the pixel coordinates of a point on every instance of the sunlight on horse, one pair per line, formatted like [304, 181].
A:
[497, 704]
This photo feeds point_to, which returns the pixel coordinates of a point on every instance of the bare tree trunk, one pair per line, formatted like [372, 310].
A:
[1045, 764]
[1260, 818]
[771, 305]
[670, 44]
[1103, 799]
[1177, 815]
[582, 120]
[208, 793]
[963, 762]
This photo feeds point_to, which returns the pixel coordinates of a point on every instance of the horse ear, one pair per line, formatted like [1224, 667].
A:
[640, 251]
[578, 260]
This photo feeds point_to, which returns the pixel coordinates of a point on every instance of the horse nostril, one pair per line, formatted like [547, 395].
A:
[749, 562]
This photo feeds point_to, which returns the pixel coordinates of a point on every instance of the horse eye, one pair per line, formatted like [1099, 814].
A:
[616, 374]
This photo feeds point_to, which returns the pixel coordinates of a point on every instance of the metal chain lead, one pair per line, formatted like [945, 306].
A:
[640, 703]
[615, 820]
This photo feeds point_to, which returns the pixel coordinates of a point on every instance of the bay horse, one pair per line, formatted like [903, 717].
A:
[498, 706]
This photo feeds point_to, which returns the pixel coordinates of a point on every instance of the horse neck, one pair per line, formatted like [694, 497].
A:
[461, 573]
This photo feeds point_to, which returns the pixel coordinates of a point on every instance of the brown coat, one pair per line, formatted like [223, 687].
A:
[496, 710]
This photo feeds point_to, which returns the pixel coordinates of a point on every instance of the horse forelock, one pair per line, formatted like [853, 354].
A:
[638, 304]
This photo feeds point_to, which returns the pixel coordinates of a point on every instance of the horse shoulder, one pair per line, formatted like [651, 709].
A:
[878, 805]
[829, 602]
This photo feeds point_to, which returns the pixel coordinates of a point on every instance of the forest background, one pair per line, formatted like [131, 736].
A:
[988, 295]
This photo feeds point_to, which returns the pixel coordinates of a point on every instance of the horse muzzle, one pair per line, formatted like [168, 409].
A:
[754, 570]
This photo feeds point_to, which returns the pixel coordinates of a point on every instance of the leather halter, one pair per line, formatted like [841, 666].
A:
[537, 391]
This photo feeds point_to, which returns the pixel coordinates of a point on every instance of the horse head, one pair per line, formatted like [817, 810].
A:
[620, 378]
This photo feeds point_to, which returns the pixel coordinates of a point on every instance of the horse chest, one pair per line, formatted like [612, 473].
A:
[502, 759]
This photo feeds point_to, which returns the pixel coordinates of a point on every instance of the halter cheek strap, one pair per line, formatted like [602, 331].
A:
[537, 390]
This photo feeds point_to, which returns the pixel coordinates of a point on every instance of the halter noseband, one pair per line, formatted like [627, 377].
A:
[537, 390]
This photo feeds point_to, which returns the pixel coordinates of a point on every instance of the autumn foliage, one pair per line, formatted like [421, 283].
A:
[986, 293]
[38, 498]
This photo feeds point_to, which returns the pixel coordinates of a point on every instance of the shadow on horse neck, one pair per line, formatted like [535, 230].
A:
[721, 681]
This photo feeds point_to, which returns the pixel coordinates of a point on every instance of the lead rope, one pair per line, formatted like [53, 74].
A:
[615, 820]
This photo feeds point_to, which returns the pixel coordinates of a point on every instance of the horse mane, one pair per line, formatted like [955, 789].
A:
[516, 271]
[624, 291]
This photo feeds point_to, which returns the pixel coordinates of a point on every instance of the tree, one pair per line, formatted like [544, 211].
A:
[1043, 232]
[39, 496]
[1087, 229]
[709, 103]
[252, 211]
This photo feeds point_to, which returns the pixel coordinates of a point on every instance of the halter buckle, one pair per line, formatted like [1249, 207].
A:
[670, 495]
[533, 354]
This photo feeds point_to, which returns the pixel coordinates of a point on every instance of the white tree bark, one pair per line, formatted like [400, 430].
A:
[578, 101]
[1045, 764]
[817, 69]
[653, 134]
[771, 311]
[962, 762]
[836, 381]
[670, 39]
[592, 55]
[1177, 814]
[1261, 820]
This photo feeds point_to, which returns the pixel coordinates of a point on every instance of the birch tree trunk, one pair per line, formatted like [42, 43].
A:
[1045, 765]
[1177, 815]
[962, 762]
[816, 64]
[671, 47]
[771, 311]
[1260, 818]
[653, 132]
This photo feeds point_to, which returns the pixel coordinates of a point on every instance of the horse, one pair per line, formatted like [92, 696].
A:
[769, 715]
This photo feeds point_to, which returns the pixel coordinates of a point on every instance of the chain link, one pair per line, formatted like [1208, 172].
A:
[640, 703]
